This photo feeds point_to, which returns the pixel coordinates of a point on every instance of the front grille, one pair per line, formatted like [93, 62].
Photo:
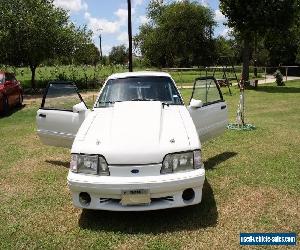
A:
[104, 200]
[167, 198]
[153, 200]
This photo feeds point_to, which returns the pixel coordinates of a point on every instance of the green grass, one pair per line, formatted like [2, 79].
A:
[187, 78]
[93, 77]
[252, 186]
[85, 76]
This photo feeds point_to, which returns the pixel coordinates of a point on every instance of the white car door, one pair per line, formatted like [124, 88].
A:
[208, 109]
[61, 114]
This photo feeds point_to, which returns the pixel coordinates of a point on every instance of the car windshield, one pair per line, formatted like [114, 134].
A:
[1, 78]
[143, 88]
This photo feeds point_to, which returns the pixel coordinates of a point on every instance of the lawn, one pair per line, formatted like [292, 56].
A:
[91, 77]
[252, 186]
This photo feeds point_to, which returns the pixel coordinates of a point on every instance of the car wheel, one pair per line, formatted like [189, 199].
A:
[20, 100]
[5, 106]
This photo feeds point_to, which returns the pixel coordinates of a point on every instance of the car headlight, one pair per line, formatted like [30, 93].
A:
[89, 164]
[179, 162]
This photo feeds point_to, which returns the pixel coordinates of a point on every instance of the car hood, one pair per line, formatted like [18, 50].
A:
[133, 132]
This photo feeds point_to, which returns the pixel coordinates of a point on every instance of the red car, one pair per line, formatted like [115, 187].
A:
[11, 93]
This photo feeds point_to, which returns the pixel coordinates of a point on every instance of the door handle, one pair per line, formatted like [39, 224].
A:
[223, 107]
[42, 115]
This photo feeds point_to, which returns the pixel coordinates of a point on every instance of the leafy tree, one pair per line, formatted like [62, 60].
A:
[296, 31]
[32, 31]
[282, 47]
[178, 34]
[226, 48]
[104, 60]
[255, 18]
[118, 54]
[262, 56]
[258, 52]
[87, 53]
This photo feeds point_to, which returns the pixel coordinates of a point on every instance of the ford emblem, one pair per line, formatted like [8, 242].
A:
[135, 171]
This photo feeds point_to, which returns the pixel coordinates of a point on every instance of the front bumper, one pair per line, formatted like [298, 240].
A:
[165, 190]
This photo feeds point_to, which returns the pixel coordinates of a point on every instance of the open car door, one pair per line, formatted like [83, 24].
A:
[61, 114]
[208, 109]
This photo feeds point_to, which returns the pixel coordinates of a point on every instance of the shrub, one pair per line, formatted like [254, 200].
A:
[279, 78]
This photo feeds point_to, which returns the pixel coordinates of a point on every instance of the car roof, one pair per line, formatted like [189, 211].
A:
[5, 72]
[138, 74]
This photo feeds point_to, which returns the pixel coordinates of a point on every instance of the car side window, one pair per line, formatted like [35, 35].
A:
[9, 77]
[1, 78]
[61, 96]
[207, 91]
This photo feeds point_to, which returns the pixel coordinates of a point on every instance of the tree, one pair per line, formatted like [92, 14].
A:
[225, 47]
[118, 55]
[282, 47]
[296, 31]
[87, 53]
[255, 18]
[178, 34]
[35, 30]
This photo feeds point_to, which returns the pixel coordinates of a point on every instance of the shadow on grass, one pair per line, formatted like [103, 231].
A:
[65, 164]
[13, 110]
[213, 162]
[278, 89]
[194, 217]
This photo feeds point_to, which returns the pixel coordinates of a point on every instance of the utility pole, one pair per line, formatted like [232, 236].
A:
[129, 36]
[100, 39]
[100, 43]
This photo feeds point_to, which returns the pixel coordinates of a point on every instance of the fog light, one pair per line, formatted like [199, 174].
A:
[188, 194]
[84, 199]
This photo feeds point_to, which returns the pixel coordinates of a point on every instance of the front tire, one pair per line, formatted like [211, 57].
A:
[20, 100]
[5, 106]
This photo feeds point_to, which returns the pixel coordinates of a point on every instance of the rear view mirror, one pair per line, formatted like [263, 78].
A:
[80, 107]
[196, 103]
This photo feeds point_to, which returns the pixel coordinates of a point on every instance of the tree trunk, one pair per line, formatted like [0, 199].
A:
[32, 68]
[255, 56]
[246, 59]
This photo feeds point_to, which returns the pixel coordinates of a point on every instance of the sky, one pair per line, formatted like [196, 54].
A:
[110, 18]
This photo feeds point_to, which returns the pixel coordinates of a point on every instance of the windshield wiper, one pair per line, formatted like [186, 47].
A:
[142, 100]
[108, 102]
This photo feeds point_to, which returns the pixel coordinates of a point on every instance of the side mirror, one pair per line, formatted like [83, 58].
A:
[80, 107]
[196, 103]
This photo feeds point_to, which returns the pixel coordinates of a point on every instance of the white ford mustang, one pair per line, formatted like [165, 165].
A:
[139, 148]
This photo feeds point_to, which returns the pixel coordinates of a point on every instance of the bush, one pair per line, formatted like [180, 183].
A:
[279, 78]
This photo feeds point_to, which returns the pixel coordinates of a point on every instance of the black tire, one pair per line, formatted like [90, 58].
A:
[20, 100]
[5, 106]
